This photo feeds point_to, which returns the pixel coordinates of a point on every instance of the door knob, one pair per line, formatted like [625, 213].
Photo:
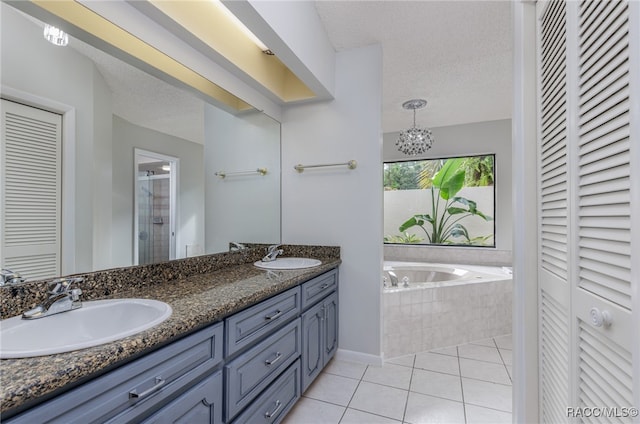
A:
[600, 318]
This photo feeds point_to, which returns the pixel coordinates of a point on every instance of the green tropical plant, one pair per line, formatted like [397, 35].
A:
[449, 180]
[405, 238]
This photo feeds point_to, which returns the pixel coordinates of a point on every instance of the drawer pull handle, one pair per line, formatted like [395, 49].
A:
[274, 315]
[133, 394]
[275, 411]
[274, 360]
[324, 286]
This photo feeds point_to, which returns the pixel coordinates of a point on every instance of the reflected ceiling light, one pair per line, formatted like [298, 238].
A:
[55, 35]
[415, 140]
[166, 167]
[243, 28]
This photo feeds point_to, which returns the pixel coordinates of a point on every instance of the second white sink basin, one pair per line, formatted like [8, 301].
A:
[95, 323]
[289, 263]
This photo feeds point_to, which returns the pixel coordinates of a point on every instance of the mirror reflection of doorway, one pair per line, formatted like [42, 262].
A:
[155, 207]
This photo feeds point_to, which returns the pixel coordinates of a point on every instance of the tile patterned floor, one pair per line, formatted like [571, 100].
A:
[464, 384]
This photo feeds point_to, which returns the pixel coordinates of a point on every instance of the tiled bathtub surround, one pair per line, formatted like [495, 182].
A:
[421, 319]
[448, 254]
[114, 282]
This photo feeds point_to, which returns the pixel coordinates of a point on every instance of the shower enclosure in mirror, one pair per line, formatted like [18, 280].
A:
[108, 109]
[155, 208]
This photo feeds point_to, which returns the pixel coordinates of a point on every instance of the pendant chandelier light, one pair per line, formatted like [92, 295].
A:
[415, 140]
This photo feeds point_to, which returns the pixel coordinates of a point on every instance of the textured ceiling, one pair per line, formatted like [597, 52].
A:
[454, 54]
[145, 100]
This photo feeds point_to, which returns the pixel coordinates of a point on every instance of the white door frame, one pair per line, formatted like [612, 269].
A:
[525, 222]
[173, 174]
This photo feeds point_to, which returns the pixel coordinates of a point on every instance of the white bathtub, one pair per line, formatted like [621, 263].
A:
[439, 305]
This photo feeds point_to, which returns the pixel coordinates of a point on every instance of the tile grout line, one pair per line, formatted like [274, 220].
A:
[464, 404]
[504, 364]
[406, 402]
[353, 394]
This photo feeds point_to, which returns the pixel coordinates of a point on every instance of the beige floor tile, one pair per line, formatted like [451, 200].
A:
[353, 416]
[480, 415]
[504, 342]
[392, 375]
[436, 384]
[507, 356]
[345, 369]
[489, 395]
[436, 362]
[487, 371]
[380, 400]
[422, 409]
[311, 411]
[406, 360]
[480, 353]
[484, 342]
[333, 389]
[451, 351]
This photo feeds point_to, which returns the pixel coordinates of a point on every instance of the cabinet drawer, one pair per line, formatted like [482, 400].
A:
[257, 321]
[202, 404]
[274, 403]
[254, 370]
[137, 387]
[319, 287]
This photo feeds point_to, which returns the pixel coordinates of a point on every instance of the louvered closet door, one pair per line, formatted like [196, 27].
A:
[585, 290]
[603, 215]
[554, 298]
[30, 179]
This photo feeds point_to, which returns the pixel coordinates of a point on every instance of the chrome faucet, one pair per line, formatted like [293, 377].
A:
[9, 277]
[234, 246]
[62, 298]
[272, 253]
[394, 278]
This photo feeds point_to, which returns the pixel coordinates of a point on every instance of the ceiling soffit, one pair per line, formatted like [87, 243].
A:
[263, 72]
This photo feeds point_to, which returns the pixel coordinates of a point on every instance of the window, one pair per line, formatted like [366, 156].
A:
[446, 201]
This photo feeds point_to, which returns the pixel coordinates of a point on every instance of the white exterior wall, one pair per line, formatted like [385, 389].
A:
[400, 205]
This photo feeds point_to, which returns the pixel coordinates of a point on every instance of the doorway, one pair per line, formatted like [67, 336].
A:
[155, 202]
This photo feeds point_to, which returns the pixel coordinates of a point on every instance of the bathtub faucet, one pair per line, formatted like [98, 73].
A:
[394, 278]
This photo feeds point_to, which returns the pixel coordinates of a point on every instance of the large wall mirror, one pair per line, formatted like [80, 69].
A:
[228, 164]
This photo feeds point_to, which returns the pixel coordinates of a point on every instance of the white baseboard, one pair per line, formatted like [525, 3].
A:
[363, 358]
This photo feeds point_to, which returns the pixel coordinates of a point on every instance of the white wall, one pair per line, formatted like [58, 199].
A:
[190, 222]
[473, 139]
[34, 66]
[338, 206]
[400, 205]
[242, 208]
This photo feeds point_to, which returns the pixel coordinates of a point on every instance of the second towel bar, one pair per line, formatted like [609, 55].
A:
[352, 164]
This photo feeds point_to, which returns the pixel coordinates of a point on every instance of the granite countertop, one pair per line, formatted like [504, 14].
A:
[197, 301]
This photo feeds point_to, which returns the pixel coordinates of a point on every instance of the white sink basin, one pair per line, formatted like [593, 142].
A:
[96, 322]
[289, 263]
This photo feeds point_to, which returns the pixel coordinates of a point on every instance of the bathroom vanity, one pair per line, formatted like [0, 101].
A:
[258, 340]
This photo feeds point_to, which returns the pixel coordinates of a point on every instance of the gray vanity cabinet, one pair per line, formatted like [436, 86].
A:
[253, 371]
[272, 352]
[273, 404]
[201, 404]
[138, 389]
[319, 325]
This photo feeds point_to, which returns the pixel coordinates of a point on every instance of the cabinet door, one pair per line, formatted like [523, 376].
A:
[330, 337]
[202, 404]
[312, 344]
